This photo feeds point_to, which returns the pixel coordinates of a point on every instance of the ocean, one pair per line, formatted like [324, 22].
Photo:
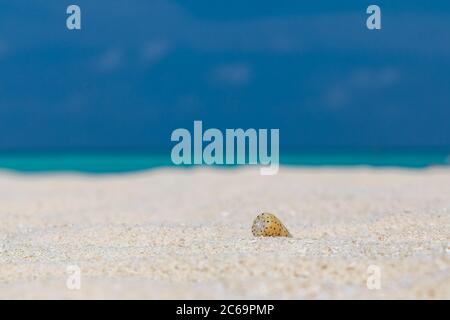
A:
[104, 163]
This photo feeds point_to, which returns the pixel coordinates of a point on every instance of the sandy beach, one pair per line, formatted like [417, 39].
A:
[186, 234]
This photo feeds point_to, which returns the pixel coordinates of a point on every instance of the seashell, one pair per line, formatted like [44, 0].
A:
[268, 225]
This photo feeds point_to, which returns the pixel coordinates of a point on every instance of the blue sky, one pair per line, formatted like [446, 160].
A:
[140, 69]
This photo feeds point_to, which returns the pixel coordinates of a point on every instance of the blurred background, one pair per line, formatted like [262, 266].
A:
[107, 97]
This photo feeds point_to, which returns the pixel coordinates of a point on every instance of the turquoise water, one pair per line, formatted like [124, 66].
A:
[127, 162]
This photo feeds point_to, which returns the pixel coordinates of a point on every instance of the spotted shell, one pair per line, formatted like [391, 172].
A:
[268, 225]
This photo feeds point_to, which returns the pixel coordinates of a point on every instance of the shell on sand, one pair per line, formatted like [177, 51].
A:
[268, 225]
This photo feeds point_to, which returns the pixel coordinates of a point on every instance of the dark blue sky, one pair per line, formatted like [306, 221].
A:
[139, 69]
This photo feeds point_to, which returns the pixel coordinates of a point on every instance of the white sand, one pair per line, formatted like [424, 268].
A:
[186, 234]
